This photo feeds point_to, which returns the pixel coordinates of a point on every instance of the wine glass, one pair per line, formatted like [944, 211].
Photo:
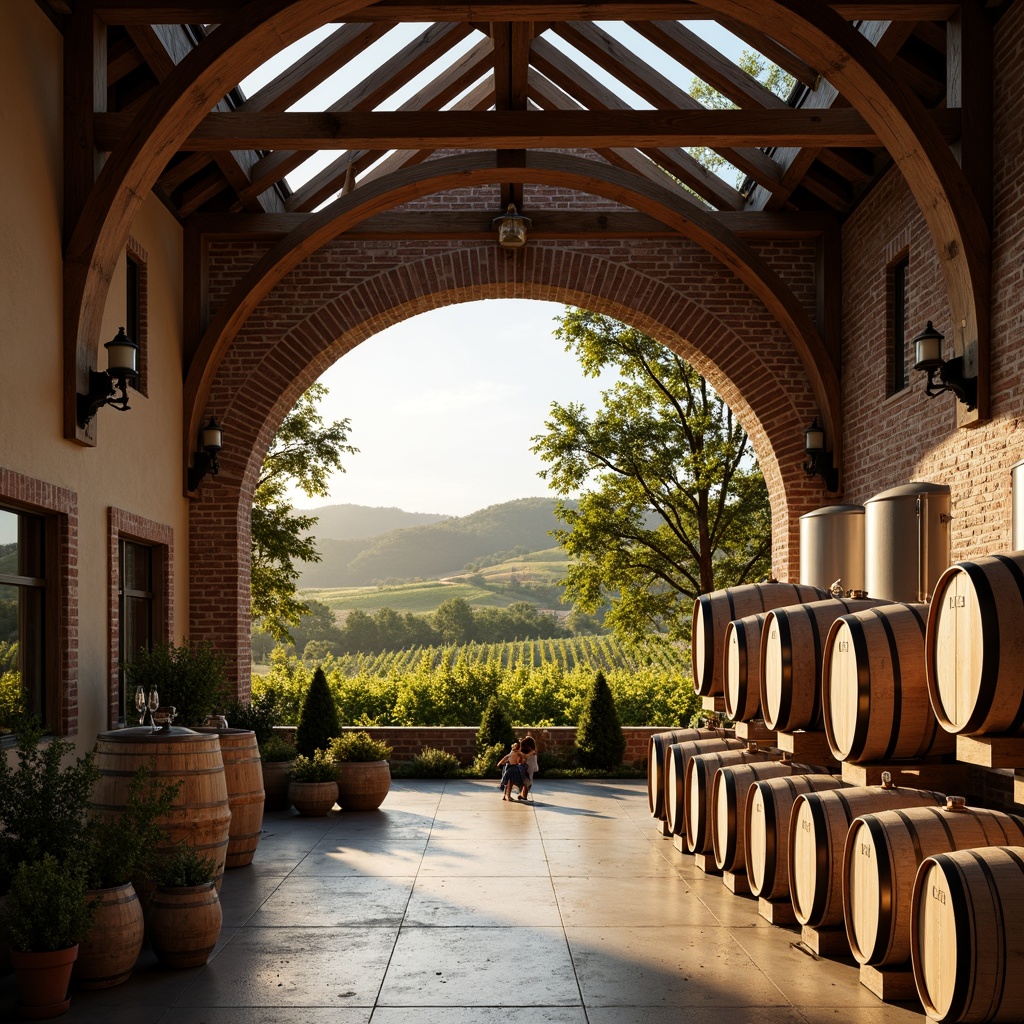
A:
[154, 704]
[140, 703]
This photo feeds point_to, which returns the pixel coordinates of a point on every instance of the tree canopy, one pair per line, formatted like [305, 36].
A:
[303, 454]
[672, 503]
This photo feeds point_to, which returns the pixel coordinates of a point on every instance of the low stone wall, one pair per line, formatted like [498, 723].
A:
[408, 741]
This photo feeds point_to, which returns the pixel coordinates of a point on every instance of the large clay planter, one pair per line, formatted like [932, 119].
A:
[43, 980]
[312, 799]
[362, 785]
[109, 951]
[275, 785]
[184, 924]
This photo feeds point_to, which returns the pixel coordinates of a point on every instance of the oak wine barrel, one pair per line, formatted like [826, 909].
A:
[728, 802]
[677, 757]
[713, 611]
[700, 774]
[200, 814]
[658, 743]
[243, 774]
[966, 941]
[766, 817]
[881, 859]
[817, 838]
[974, 646]
[874, 689]
[742, 668]
[792, 648]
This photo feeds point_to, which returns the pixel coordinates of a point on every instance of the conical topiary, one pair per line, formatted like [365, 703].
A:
[494, 727]
[600, 742]
[318, 719]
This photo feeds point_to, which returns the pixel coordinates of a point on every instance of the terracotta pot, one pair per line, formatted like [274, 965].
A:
[109, 950]
[362, 785]
[184, 924]
[312, 799]
[275, 785]
[43, 980]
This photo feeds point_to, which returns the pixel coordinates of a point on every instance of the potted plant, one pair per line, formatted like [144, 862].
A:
[119, 849]
[184, 916]
[364, 776]
[47, 914]
[276, 757]
[313, 789]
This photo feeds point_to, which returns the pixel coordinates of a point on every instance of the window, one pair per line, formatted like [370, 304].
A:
[135, 609]
[136, 318]
[23, 618]
[899, 358]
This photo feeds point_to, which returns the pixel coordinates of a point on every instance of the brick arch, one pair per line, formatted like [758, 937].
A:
[299, 331]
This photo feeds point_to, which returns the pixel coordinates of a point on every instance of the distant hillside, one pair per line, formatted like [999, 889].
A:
[441, 548]
[353, 522]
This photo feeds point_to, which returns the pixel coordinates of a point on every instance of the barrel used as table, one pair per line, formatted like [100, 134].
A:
[677, 757]
[881, 859]
[766, 816]
[874, 689]
[974, 647]
[742, 668]
[200, 814]
[243, 774]
[817, 839]
[658, 743]
[713, 611]
[792, 647]
[966, 941]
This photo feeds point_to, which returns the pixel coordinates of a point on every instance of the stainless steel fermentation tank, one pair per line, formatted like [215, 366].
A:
[832, 547]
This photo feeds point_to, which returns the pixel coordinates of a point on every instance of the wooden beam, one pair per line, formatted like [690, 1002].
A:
[585, 129]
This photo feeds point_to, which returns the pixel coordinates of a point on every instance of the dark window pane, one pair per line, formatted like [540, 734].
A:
[22, 654]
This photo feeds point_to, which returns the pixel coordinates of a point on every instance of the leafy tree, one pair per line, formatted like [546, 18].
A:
[676, 505]
[454, 621]
[770, 75]
[318, 720]
[316, 623]
[600, 742]
[304, 453]
[495, 728]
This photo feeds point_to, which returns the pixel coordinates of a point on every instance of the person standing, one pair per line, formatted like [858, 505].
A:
[528, 745]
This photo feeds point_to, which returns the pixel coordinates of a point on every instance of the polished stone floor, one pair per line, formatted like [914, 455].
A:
[449, 906]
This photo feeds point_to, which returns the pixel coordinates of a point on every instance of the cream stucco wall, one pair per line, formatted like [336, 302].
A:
[136, 464]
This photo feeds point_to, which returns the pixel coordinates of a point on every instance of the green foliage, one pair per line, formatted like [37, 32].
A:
[303, 453]
[495, 728]
[485, 764]
[454, 622]
[673, 504]
[43, 802]
[432, 763]
[12, 694]
[190, 678]
[185, 867]
[119, 847]
[276, 748]
[318, 721]
[320, 767]
[599, 739]
[260, 715]
[358, 746]
[47, 909]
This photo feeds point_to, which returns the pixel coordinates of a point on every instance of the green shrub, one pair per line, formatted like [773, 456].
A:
[190, 678]
[485, 764]
[358, 746]
[321, 767]
[551, 761]
[185, 867]
[260, 715]
[47, 907]
[432, 763]
[599, 739]
[318, 722]
[277, 748]
[495, 728]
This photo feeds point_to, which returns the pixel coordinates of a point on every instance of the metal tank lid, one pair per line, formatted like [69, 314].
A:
[834, 510]
[910, 490]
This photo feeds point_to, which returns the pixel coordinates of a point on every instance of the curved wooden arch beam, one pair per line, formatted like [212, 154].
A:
[259, 30]
[952, 212]
[542, 168]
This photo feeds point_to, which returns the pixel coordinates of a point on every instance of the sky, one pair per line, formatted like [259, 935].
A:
[468, 386]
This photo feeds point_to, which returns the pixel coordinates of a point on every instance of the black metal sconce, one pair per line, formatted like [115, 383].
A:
[819, 461]
[512, 228]
[122, 370]
[928, 358]
[204, 461]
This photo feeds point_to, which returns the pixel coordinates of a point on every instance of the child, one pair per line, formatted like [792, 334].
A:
[513, 774]
[529, 748]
